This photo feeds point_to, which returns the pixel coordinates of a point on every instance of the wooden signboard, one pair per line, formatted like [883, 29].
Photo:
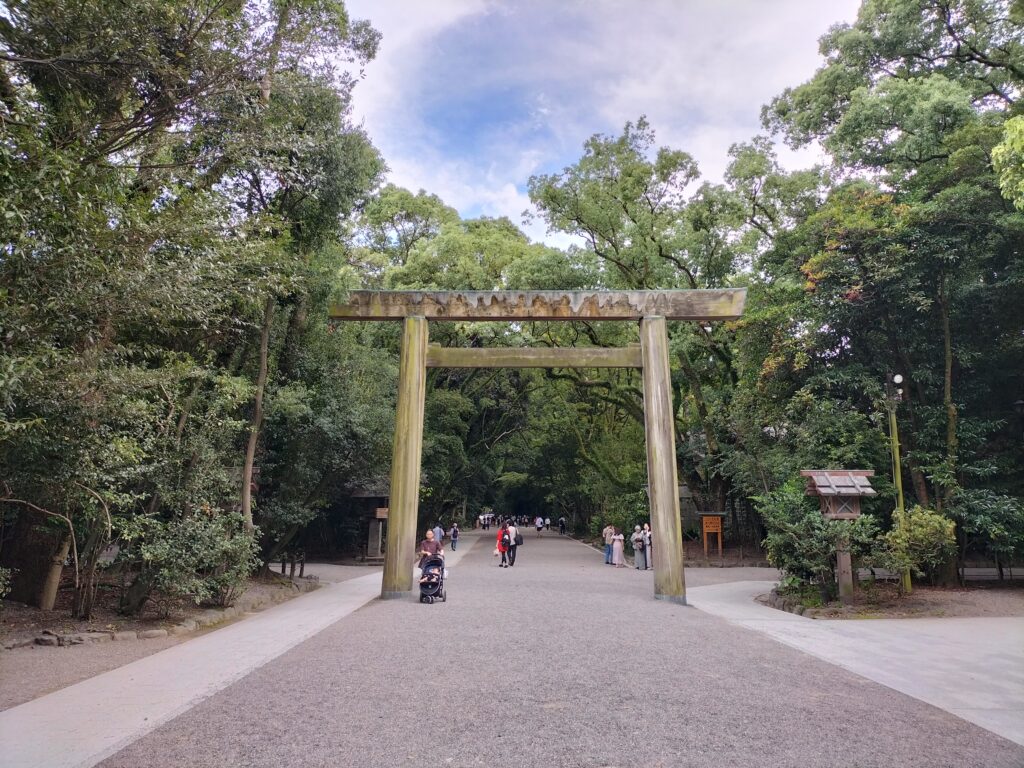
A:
[711, 524]
[382, 513]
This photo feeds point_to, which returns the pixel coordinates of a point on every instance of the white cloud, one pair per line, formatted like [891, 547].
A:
[432, 101]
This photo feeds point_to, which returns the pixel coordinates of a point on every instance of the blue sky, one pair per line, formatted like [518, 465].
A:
[469, 98]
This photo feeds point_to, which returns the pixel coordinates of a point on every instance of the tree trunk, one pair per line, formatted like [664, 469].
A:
[947, 392]
[289, 360]
[85, 592]
[136, 595]
[48, 594]
[278, 547]
[698, 400]
[274, 52]
[257, 415]
[30, 552]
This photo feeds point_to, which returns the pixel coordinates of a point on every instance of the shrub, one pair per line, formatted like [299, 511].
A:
[923, 544]
[205, 557]
[992, 523]
[624, 512]
[5, 583]
[802, 543]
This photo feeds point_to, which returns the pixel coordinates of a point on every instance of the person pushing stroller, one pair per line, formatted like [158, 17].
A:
[431, 565]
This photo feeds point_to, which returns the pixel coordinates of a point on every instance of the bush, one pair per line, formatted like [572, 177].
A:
[5, 583]
[625, 512]
[802, 543]
[923, 544]
[205, 557]
[992, 523]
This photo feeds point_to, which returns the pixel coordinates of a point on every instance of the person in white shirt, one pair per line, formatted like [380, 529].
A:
[539, 522]
[513, 547]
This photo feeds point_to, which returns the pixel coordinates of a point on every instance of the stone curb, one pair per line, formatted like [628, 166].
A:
[775, 600]
[205, 619]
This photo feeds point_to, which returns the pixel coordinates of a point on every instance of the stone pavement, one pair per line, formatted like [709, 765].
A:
[559, 661]
[67, 728]
[973, 668]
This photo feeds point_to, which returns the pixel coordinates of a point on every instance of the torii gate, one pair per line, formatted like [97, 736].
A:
[651, 308]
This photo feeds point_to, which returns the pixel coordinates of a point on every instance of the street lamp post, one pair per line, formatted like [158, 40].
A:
[894, 394]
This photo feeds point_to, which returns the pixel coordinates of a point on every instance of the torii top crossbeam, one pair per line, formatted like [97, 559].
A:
[710, 305]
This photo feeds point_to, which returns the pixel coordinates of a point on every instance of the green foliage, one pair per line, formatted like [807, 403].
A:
[205, 557]
[174, 184]
[992, 521]
[802, 543]
[1008, 159]
[624, 512]
[922, 543]
[5, 583]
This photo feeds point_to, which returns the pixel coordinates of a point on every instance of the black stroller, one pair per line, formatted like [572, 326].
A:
[432, 581]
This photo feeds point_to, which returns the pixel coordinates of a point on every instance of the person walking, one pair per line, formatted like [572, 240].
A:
[539, 523]
[561, 526]
[504, 541]
[547, 523]
[514, 538]
[453, 534]
[639, 548]
[648, 546]
[618, 549]
[429, 547]
[439, 532]
[607, 534]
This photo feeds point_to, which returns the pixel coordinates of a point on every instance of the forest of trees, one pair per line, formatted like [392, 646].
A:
[183, 193]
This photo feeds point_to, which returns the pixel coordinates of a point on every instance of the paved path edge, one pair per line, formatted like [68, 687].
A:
[66, 728]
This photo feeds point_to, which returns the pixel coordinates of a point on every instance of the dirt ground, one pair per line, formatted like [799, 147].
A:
[18, 620]
[882, 601]
[33, 671]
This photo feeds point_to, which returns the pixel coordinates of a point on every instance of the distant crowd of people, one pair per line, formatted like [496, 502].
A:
[508, 539]
[485, 521]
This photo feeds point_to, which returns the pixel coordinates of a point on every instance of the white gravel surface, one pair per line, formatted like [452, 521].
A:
[560, 661]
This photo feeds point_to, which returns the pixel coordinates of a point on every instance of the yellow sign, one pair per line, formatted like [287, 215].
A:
[712, 524]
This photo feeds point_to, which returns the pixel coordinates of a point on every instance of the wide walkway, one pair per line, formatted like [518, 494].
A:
[559, 661]
[971, 667]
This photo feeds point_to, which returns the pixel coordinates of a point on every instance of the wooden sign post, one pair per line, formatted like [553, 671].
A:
[711, 522]
[839, 492]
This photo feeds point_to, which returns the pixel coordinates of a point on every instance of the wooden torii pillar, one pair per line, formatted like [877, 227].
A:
[651, 308]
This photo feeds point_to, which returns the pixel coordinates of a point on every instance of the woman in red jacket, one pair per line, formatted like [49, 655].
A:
[504, 540]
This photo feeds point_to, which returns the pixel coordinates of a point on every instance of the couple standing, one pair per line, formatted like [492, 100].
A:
[642, 550]
[508, 541]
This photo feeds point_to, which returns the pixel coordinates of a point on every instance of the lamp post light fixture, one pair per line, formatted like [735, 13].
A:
[893, 394]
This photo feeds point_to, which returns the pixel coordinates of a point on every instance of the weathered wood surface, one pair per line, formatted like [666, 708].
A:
[534, 357]
[399, 552]
[662, 480]
[725, 304]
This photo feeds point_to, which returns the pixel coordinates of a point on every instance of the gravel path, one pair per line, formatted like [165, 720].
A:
[34, 671]
[560, 661]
